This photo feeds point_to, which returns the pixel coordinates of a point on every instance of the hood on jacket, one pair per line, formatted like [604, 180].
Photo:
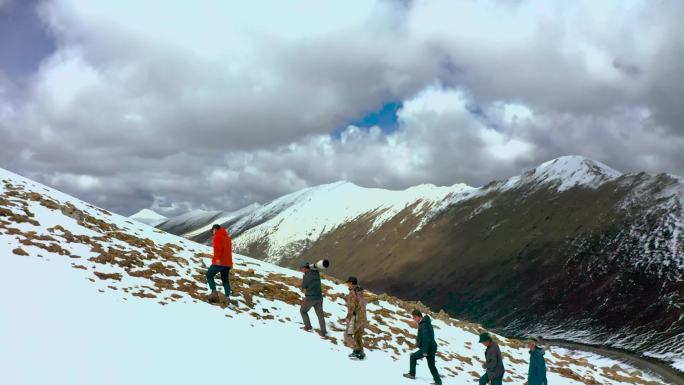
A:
[538, 351]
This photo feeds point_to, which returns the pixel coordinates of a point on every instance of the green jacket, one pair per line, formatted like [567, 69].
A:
[536, 374]
[425, 341]
[311, 283]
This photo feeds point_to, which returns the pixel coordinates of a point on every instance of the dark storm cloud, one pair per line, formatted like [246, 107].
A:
[24, 40]
[193, 107]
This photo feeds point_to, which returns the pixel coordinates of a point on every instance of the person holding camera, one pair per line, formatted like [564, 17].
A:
[427, 347]
[313, 297]
[356, 319]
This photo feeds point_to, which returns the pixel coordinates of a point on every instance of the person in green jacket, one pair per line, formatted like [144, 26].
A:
[427, 347]
[536, 374]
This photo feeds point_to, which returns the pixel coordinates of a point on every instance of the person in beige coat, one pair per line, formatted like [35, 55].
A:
[356, 319]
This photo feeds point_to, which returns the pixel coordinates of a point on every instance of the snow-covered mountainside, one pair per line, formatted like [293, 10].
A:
[572, 248]
[148, 217]
[88, 297]
[282, 227]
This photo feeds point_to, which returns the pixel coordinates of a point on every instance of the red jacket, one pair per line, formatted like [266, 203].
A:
[223, 249]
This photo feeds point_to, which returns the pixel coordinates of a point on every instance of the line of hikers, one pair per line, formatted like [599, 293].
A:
[356, 320]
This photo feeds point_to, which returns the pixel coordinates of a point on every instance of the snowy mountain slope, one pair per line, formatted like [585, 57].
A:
[224, 217]
[295, 220]
[93, 297]
[148, 217]
[189, 221]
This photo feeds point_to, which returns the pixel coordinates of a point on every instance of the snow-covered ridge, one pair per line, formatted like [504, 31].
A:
[109, 295]
[148, 217]
[306, 215]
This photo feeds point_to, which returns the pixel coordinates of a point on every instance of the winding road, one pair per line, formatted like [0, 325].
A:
[668, 373]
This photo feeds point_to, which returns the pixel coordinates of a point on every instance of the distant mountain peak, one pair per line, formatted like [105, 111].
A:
[147, 213]
[575, 170]
[148, 217]
[570, 164]
[566, 172]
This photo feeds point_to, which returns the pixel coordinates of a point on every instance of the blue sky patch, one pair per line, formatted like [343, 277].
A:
[385, 117]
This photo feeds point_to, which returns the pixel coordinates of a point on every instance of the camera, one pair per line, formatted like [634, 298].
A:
[320, 265]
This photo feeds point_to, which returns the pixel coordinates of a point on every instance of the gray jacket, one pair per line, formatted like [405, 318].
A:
[494, 361]
[311, 283]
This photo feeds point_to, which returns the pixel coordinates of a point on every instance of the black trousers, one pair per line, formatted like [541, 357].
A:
[225, 277]
[431, 364]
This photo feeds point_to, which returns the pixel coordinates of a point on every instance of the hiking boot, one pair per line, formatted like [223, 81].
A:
[225, 300]
[353, 354]
[409, 375]
[361, 355]
[213, 297]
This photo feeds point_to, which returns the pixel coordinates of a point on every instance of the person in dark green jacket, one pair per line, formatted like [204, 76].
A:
[313, 297]
[536, 374]
[427, 347]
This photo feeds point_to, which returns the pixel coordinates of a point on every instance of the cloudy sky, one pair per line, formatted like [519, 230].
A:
[179, 105]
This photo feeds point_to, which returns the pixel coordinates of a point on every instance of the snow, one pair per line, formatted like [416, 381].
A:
[77, 335]
[61, 325]
[148, 217]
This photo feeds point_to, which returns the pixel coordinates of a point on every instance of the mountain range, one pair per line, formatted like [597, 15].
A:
[571, 249]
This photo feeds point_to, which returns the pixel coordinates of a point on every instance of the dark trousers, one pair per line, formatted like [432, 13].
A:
[431, 364]
[317, 304]
[484, 380]
[225, 277]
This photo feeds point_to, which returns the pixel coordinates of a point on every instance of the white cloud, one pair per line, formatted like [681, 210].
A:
[217, 104]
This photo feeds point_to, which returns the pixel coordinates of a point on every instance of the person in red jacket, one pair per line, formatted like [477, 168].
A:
[221, 262]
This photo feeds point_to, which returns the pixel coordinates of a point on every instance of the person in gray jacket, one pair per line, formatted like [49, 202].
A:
[313, 297]
[493, 362]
